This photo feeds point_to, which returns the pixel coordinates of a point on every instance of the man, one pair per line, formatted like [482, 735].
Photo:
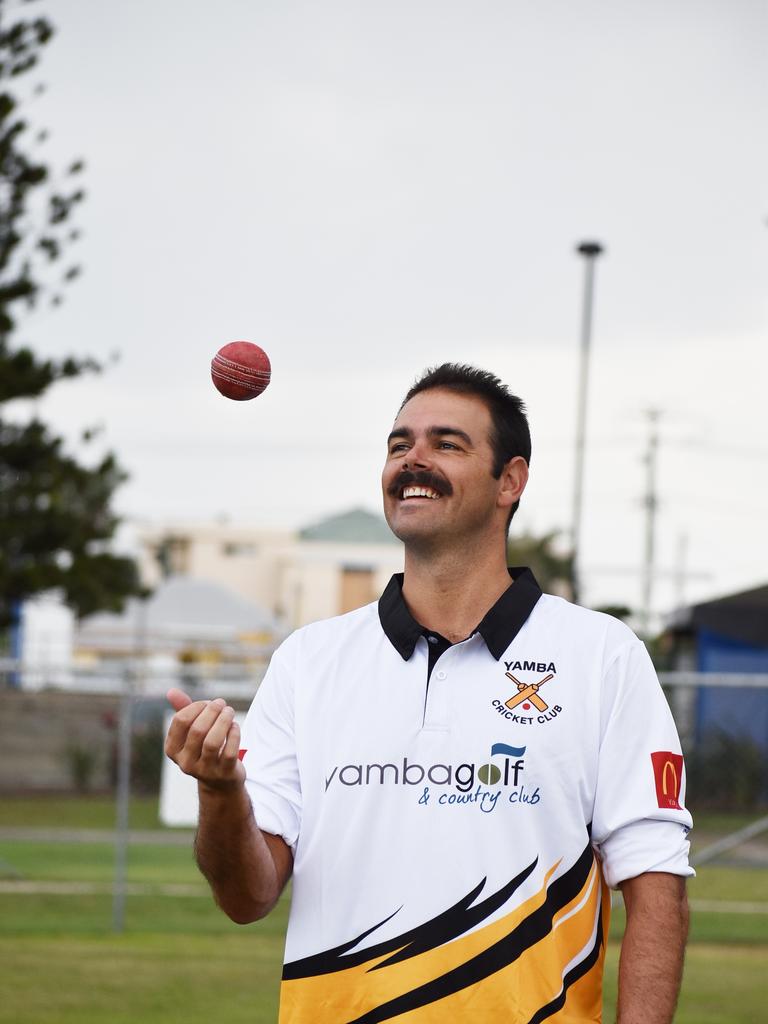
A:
[455, 775]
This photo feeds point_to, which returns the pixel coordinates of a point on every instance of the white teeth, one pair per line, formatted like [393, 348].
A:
[419, 492]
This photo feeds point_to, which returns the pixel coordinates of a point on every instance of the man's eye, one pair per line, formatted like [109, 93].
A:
[448, 444]
[400, 447]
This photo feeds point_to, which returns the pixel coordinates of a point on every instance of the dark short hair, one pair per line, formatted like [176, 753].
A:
[510, 435]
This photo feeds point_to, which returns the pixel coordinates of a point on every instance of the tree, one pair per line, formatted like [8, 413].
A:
[553, 571]
[55, 516]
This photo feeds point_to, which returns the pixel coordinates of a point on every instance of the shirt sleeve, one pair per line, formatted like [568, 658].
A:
[640, 822]
[268, 751]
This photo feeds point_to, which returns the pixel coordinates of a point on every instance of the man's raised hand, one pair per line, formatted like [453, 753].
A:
[204, 741]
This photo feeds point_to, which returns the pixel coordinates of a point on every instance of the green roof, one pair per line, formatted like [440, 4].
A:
[358, 526]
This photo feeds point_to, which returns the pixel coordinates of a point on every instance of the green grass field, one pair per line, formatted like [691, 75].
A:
[180, 959]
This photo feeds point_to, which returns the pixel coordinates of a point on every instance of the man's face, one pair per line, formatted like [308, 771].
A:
[437, 481]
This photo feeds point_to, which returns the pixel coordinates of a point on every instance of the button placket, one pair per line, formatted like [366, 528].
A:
[436, 711]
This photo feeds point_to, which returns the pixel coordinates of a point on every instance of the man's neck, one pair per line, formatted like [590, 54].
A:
[449, 593]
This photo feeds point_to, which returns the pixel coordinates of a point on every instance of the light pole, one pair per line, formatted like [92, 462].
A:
[590, 251]
[651, 503]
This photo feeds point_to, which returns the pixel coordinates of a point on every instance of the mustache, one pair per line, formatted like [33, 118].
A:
[419, 478]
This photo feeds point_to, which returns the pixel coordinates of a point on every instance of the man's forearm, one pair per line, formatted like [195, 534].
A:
[653, 948]
[246, 868]
[235, 856]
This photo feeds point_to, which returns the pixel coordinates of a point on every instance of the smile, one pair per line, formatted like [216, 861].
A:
[419, 492]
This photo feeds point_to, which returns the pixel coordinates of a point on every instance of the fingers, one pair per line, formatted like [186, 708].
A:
[214, 739]
[191, 725]
[178, 699]
[180, 725]
[204, 742]
[230, 755]
[231, 749]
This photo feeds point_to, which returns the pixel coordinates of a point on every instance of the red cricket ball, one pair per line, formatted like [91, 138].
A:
[240, 370]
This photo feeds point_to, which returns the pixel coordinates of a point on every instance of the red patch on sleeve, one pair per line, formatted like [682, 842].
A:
[668, 776]
[241, 753]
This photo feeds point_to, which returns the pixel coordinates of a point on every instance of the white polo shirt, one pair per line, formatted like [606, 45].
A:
[454, 831]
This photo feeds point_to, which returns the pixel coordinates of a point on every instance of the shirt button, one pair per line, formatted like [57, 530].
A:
[441, 674]
[432, 639]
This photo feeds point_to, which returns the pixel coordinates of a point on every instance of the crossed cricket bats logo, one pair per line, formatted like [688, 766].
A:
[528, 691]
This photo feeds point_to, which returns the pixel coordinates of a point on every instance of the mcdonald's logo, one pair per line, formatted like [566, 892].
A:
[668, 776]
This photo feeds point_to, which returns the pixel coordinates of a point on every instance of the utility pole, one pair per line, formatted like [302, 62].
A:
[651, 504]
[590, 251]
[134, 679]
[681, 571]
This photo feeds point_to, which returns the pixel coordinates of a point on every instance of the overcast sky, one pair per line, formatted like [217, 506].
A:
[368, 188]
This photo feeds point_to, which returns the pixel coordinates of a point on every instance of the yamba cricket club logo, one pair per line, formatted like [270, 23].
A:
[526, 705]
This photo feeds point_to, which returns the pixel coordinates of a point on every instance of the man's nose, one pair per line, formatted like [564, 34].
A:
[420, 456]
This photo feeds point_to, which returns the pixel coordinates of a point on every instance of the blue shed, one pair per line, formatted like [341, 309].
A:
[730, 635]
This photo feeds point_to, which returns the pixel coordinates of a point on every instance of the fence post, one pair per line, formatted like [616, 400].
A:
[122, 801]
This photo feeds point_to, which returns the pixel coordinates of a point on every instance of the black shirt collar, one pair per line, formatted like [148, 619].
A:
[499, 627]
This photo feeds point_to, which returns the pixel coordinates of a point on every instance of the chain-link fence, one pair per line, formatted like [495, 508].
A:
[106, 734]
[723, 724]
[722, 719]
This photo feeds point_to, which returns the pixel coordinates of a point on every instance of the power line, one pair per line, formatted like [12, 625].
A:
[709, 448]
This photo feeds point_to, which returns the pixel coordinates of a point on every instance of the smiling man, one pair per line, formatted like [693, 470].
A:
[456, 774]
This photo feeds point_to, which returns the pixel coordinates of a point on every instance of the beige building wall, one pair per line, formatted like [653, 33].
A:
[317, 581]
[299, 581]
[246, 560]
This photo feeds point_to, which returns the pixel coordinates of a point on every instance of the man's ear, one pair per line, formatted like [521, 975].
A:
[514, 477]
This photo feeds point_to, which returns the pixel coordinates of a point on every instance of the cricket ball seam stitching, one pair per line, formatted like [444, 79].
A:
[219, 366]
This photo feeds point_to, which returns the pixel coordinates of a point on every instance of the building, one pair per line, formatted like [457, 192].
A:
[221, 597]
[325, 569]
[727, 635]
[186, 631]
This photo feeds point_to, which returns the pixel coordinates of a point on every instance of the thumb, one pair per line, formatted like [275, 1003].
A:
[178, 699]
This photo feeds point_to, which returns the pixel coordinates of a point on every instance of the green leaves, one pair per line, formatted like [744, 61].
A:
[35, 207]
[56, 520]
[553, 570]
[23, 375]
